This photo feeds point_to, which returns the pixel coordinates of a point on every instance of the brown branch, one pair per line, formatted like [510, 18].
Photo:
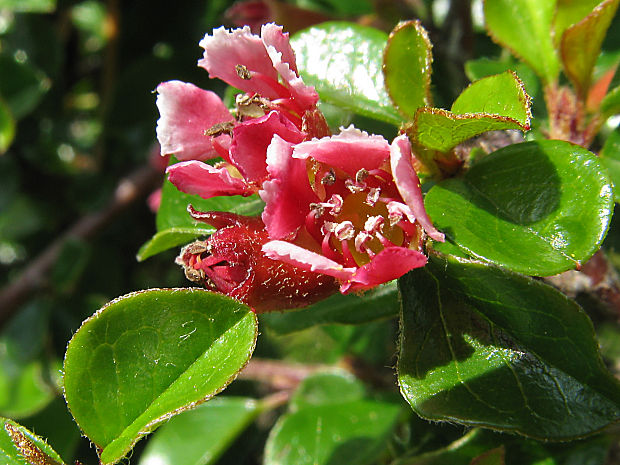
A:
[129, 190]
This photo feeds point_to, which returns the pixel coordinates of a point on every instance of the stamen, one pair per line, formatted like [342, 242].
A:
[360, 241]
[361, 176]
[329, 178]
[373, 196]
[243, 72]
[218, 129]
[344, 231]
[353, 186]
[317, 208]
[334, 203]
[385, 242]
[374, 224]
[347, 255]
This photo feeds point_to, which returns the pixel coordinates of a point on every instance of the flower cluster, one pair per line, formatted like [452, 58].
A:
[342, 209]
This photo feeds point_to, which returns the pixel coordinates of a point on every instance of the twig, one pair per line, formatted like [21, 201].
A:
[129, 190]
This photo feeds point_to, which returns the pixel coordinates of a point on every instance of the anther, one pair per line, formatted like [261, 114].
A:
[329, 178]
[344, 231]
[243, 72]
[373, 196]
[361, 176]
[218, 129]
[374, 224]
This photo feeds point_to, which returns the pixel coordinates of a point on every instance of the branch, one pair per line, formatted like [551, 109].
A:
[129, 190]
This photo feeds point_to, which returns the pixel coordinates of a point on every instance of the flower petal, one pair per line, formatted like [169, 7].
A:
[283, 59]
[251, 139]
[186, 112]
[195, 177]
[305, 259]
[391, 263]
[409, 185]
[351, 150]
[287, 194]
[224, 50]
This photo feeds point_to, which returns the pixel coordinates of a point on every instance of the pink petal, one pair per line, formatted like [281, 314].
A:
[409, 185]
[186, 112]
[224, 50]
[305, 259]
[283, 59]
[287, 194]
[391, 263]
[351, 150]
[250, 141]
[195, 177]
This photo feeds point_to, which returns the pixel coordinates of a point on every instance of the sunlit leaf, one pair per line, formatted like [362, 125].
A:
[7, 127]
[172, 237]
[538, 208]
[149, 355]
[407, 67]
[610, 157]
[18, 446]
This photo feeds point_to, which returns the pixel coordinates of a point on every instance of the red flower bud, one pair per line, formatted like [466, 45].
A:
[231, 261]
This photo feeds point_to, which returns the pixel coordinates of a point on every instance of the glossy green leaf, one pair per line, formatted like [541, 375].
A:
[172, 237]
[29, 6]
[378, 303]
[407, 67]
[502, 94]
[484, 346]
[524, 27]
[491, 103]
[149, 355]
[610, 105]
[200, 436]
[343, 62]
[610, 158]
[483, 67]
[21, 86]
[538, 208]
[7, 127]
[581, 44]
[569, 12]
[354, 433]
[331, 387]
[173, 213]
[18, 446]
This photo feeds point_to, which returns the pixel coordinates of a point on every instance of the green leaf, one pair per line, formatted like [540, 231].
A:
[28, 6]
[354, 433]
[569, 12]
[200, 436]
[378, 303]
[173, 213]
[18, 446]
[524, 27]
[172, 237]
[538, 208]
[491, 457]
[7, 127]
[343, 62]
[149, 355]
[610, 105]
[491, 103]
[21, 86]
[484, 346]
[483, 67]
[407, 67]
[332, 387]
[581, 45]
[610, 158]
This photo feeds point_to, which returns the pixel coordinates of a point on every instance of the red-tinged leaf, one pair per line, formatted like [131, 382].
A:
[599, 89]
[581, 45]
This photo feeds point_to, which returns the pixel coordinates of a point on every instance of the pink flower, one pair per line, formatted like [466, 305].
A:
[357, 214]
[231, 261]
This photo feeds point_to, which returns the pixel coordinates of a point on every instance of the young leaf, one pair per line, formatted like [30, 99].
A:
[343, 62]
[569, 12]
[538, 208]
[350, 432]
[491, 457]
[150, 355]
[200, 436]
[491, 103]
[610, 105]
[524, 27]
[581, 45]
[407, 67]
[484, 346]
[18, 446]
[351, 309]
